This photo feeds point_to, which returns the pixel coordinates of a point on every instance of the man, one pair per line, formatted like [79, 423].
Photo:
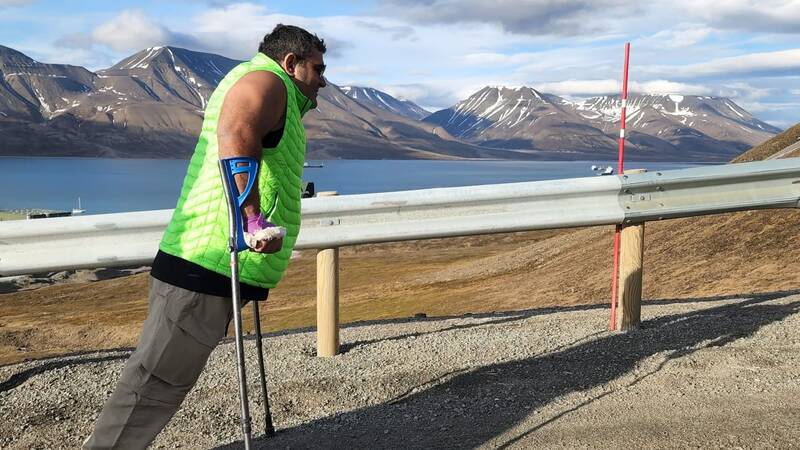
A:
[255, 111]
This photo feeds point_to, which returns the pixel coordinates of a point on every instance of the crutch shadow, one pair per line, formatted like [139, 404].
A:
[472, 407]
[346, 347]
[62, 361]
[513, 316]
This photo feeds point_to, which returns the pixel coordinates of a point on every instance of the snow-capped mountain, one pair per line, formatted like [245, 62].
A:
[366, 132]
[151, 104]
[524, 118]
[520, 118]
[169, 74]
[701, 112]
[373, 98]
[31, 90]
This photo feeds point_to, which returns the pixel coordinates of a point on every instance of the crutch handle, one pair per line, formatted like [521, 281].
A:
[228, 168]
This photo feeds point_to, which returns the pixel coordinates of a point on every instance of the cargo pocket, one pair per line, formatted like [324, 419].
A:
[178, 358]
[171, 352]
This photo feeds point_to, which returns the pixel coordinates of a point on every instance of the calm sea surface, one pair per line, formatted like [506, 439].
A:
[118, 185]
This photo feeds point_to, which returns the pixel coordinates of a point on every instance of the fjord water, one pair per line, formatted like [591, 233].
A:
[119, 185]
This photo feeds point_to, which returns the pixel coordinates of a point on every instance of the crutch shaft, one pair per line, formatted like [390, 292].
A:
[237, 326]
[234, 201]
[269, 429]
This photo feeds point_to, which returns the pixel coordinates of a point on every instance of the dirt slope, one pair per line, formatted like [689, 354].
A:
[773, 146]
[704, 373]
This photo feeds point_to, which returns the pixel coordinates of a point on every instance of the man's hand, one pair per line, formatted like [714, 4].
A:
[262, 236]
[271, 246]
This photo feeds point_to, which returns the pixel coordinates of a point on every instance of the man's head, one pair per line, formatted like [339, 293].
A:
[300, 54]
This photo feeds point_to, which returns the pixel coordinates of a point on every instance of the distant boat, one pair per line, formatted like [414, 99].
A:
[607, 170]
[307, 165]
[78, 210]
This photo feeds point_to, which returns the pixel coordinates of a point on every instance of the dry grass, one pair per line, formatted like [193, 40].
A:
[685, 258]
[772, 146]
[8, 215]
[730, 254]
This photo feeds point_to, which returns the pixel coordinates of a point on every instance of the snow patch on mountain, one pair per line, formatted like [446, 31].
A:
[372, 97]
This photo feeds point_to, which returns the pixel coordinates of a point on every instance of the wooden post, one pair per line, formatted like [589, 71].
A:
[327, 298]
[631, 256]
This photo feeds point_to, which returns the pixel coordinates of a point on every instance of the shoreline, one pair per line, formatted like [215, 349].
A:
[609, 161]
[23, 213]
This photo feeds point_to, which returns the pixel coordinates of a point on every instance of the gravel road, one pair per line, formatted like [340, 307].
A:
[709, 373]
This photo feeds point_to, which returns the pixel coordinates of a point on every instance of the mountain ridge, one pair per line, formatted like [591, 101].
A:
[150, 104]
[522, 117]
[375, 98]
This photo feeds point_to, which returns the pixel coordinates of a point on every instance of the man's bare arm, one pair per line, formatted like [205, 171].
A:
[253, 107]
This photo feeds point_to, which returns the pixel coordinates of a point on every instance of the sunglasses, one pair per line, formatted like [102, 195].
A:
[319, 68]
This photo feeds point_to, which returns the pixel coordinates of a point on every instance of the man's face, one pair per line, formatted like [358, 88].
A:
[308, 75]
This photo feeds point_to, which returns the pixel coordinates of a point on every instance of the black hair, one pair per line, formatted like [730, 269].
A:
[285, 39]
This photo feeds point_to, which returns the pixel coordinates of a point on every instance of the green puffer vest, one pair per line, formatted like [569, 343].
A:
[199, 227]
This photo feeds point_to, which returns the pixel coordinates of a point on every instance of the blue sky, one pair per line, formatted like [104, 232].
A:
[436, 52]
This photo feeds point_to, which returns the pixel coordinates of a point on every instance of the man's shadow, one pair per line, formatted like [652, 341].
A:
[475, 406]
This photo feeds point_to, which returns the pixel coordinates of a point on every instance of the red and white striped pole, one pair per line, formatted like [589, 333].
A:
[620, 169]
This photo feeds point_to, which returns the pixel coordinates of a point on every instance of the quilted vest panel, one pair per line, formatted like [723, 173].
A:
[198, 231]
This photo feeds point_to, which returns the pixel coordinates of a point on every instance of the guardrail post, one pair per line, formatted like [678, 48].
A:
[327, 298]
[631, 257]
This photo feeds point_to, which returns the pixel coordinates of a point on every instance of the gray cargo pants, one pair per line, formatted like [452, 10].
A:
[181, 330]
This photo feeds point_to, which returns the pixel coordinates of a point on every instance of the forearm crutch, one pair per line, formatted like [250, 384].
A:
[236, 243]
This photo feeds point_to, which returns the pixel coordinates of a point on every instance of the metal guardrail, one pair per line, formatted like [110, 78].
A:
[126, 239]
[80, 242]
[711, 190]
[461, 211]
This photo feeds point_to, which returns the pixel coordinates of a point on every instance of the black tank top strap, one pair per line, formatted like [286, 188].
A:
[272, 139]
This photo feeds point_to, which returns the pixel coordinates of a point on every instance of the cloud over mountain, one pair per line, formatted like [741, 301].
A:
[755, 16]
[533, 17]
[133, 30]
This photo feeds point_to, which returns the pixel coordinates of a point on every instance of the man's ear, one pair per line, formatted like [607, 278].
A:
[289, 63]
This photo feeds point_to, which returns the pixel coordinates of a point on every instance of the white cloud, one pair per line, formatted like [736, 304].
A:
[92, 59]
[744, 90]
[669, 87]
[75, 40]
[131, 30]
[782, 124]
[360, 71]
[762, 107]
[434, 94]
[772, 16]
[467, 44]
[531, 17]
[579, 87]
[784, 62]
[407, 92]
[236, 30]
[681, 37]
[498, 59]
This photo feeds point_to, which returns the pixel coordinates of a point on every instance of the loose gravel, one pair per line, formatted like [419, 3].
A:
[711, 373]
